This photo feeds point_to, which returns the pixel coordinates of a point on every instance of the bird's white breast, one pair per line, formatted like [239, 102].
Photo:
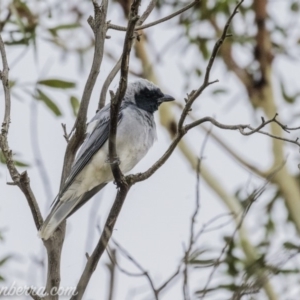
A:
[136, 134]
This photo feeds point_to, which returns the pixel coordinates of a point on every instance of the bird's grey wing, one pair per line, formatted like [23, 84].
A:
[62, 209]
[93, 142]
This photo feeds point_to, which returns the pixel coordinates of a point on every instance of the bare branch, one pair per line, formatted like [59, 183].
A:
[195, 94]
[180, 11]
[147, 12]
[116, 101]
[100, 247]
[55, 243]
[117, 66]
[66, 135]
[169, 280]
[241, 127]
[107, 83]
[122, 270]
[124, 187]
[240, 219]
[111, 268]
[5, 21]
[192, 240]
[99, 26]
[144, 272]
[21, 180]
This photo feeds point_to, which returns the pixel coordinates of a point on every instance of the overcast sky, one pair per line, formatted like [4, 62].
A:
[154, 223]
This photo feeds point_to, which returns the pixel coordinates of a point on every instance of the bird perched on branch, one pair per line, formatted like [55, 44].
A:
[91, 171]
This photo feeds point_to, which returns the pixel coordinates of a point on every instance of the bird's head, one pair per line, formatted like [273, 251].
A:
[146, 95]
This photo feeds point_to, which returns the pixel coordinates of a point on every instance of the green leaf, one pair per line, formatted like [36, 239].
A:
[49, 103]
[74, 104]
[58, 84]
[203, 48]
[55, 29]
[12, 83]
[22, 41]
[198, 71]
[18, 163]
[5, 259]
[295, 7]
[286, 97]
[291, 246]
[202, 261]
[2, 158]
[219, 91]
[21, 164]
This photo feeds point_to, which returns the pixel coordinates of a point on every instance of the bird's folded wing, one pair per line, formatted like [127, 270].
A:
[93, 142]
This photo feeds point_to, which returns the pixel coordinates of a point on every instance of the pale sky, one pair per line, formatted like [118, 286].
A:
[154, 222]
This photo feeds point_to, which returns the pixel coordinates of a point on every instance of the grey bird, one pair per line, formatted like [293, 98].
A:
[136, 133]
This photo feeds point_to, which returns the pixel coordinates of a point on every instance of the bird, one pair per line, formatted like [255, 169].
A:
[91, 171]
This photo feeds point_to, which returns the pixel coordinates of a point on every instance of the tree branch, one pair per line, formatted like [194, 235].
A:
[195, 94]
[21, 180]
[99, 26]
[123, 186]
[193, 237]
[93, 260]
[143, 272]
[117, 66]
[112, 270]
[55, 243]
[117, 99]
[240, 127]
[107, 83]
[180, 11]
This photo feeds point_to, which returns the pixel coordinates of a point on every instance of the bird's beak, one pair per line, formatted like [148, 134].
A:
[166, 98]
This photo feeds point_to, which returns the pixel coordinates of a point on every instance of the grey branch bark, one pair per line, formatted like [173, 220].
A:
[21, 180]
[55, 243]
[117, 66]
[180, 11]
[123, 186]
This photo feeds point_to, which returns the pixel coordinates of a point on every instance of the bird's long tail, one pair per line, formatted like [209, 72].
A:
[63, 210]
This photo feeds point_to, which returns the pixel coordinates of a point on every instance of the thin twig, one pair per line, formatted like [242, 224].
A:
[66, 135]
[240, 127]
[137, 264]
[195, 94]
[192, 240]
[117, 66]
[112, 270]
[180, 11]
[252, 198]
[5, 21]
[21, 180]
[189, 101]
[107, 83]
[147, 12]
